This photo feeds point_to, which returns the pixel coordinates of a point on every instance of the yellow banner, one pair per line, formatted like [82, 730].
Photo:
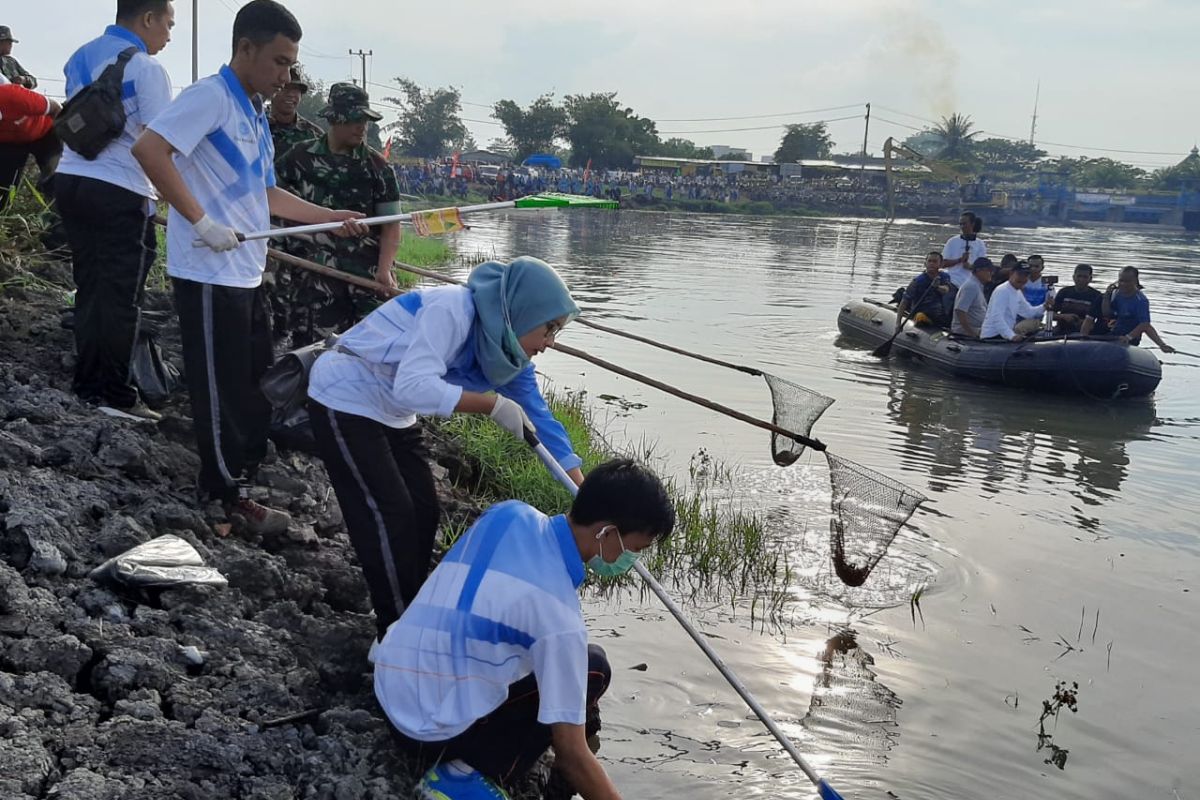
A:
[437, 222]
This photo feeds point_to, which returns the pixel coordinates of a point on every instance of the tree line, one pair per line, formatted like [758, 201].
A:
[956, 142]
[600, 129]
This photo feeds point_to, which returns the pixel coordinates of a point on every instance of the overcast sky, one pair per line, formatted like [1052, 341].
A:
[1117, 74]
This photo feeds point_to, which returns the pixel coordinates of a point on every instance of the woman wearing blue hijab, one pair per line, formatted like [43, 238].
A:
[430, 351]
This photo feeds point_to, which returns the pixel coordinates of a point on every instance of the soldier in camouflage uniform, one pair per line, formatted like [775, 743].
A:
[337, 171]
[9, 67]
[287, 127]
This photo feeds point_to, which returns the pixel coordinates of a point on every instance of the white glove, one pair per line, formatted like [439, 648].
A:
[509, 415]
[216, 236]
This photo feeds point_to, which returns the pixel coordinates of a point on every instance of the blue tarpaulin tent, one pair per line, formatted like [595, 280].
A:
[543, 160]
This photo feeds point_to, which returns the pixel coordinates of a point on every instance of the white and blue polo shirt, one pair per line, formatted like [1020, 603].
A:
[146, 91]
[502, 604]
[226, 158]
[415, 354]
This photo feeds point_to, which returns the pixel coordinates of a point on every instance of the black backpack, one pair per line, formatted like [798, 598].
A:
[94, 118]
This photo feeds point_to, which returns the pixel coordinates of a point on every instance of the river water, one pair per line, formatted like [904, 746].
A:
[1059, 541]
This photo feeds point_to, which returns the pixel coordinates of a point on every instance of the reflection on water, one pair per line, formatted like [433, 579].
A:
[851, 713]
[1008, 441]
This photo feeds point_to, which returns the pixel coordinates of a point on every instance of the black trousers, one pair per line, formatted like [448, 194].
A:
[388, 499]
[506, 743]
[112, 247]
[226, 349]
[45, 152]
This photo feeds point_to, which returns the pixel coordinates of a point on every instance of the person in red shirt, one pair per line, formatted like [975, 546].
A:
[26, 128]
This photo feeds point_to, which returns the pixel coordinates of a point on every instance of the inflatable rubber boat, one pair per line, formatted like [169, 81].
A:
[1099, 367]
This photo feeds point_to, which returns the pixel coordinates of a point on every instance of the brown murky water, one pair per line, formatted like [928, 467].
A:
[1059, 542]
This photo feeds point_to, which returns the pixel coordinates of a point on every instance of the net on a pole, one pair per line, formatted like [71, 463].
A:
[868, 511]
[796, 409]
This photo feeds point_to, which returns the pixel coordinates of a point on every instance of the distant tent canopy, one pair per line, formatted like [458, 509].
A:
[543, 160]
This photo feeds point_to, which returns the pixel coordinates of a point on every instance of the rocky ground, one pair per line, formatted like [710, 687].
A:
[107, 693]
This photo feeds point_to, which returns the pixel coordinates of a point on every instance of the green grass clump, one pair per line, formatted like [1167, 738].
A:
[25, 225]
[424, 251]
[719, 549]
[509, 469]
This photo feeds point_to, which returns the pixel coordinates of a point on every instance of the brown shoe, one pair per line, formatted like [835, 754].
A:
[257, 518]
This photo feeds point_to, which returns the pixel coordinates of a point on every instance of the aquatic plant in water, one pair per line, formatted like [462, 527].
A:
[1063, 697]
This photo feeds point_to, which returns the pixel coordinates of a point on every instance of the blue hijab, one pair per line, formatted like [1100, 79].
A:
[510, 301]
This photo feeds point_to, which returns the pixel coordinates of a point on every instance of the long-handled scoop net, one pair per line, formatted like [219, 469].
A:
[796, 409]
[868, 508]
[437, 220]
[826, 791]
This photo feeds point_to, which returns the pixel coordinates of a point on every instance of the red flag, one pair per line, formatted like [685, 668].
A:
[587, 171]
[454, 169]
[387, 150]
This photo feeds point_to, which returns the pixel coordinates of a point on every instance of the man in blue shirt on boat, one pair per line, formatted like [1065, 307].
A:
[1129, 311]
[925, 298]
[490, 665]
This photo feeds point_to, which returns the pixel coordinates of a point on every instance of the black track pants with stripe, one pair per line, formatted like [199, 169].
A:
[388, 499]
[112, 247]
[506, 743]
[226, 349]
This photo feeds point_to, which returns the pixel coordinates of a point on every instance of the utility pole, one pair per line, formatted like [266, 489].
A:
[195, 40]
[866, 131]
[362, 54]
[1033, 126]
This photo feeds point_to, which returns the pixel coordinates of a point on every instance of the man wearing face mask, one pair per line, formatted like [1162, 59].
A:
[490, 665]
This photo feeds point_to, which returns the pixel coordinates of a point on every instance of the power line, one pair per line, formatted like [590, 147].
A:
[464, 119]
[767, 116]
[898, 124]
[1023, 139]
[776, 126]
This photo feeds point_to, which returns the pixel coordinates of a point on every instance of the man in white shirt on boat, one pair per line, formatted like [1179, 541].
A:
[1007, 304]
[961, 251]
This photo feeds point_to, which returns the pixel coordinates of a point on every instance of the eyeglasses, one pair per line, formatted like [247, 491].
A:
[553, 329]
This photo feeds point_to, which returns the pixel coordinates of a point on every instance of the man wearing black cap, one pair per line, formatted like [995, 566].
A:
[970, 305]
[288, 128]
[9, 67]
[337, 170]
[1007, 304]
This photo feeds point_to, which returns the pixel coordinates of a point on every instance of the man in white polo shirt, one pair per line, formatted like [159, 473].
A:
[961, 251]
[211, 157]
[490, 665]
[107, 208]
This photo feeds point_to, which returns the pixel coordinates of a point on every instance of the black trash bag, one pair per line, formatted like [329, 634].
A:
[155, 377]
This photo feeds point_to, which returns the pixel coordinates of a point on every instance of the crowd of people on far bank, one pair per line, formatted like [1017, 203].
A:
[483, 663]
[963, 290]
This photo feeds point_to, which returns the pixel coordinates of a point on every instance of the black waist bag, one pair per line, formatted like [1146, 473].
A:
[94, 118]
[285, 386]
[285, 383]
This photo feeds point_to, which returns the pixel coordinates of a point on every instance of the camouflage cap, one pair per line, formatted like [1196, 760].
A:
[348, 103]
[6, 34]
[296, 78]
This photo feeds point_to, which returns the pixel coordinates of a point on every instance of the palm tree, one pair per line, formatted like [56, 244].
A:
[957, 135]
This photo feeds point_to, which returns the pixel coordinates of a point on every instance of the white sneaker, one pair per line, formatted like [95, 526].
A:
[138, 412]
